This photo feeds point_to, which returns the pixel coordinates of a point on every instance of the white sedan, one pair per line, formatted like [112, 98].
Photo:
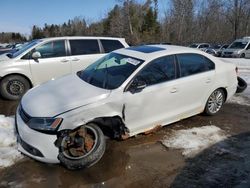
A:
[127, 92]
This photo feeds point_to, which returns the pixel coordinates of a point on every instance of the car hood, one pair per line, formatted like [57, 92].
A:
[4, 57]
[60, 95]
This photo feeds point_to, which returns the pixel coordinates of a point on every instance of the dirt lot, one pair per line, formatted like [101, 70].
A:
[143, 161]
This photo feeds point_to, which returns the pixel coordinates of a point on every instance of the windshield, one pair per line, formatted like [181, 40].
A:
[110, 71]
[24, 48]
[238, 45]
[193, 46]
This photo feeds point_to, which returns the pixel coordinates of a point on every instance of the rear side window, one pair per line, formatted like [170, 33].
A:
[194, 63]
[84, 47]
[111, 45]
[52, 49]
[158, 71]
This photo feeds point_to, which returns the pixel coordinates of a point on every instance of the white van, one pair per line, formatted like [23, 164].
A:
[45, 59]
[240, 48]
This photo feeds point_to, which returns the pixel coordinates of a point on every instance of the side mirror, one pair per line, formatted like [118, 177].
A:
[36, 55]
[137, 86]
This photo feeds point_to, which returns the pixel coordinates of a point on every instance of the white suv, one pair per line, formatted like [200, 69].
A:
[45, 59]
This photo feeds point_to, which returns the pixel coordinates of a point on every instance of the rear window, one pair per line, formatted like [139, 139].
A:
[84, 47]
[111, 45]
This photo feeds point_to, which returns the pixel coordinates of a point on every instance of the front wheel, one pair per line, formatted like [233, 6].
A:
[215, 102]
[242, 55]
[13, 87]
[82, 148]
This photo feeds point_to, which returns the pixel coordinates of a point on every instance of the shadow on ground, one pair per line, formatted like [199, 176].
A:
[225, 164]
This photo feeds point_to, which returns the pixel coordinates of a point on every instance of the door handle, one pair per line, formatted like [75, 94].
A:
[75, 59]
[64, 60]
[173, 90]
[208, 80]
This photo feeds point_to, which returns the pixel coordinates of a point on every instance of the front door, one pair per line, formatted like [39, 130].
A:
[156, 103]
[53, 63]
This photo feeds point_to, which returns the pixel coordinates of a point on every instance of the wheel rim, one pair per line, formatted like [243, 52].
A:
[85, 144]
[215, 101]
[15, 87]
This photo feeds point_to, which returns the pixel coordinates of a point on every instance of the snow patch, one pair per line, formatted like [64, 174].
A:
[8, 147]
[194, 140]
[244, 72]
[244, 97]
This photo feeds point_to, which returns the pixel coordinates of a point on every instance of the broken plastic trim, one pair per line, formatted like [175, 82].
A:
[242, 85]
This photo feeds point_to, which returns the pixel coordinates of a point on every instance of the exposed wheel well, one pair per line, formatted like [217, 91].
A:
[112, 127]
[30, 83]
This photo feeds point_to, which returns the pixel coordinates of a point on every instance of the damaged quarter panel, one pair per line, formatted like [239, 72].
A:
[101, 108]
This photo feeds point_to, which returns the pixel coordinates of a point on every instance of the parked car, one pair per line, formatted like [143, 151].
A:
[219, 51]
[125, 93]
[216, 50]
[201, 46]
[240, 48]
[45, 59]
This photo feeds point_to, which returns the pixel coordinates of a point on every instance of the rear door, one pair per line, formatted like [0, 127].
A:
[53, 63]
[84, 52]
[197, 76]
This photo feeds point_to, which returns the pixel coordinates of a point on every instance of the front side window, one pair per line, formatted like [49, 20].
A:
[248, 47]
[158, 71]
[110, 71]
[25, 47]
[52, 49]
[194, 63]
[84, 47]
[111, 45]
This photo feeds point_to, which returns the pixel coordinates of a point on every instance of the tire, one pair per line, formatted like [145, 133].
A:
[242, 85]
[215, 102]
[242, 55]
[13, 87]
[88, 159]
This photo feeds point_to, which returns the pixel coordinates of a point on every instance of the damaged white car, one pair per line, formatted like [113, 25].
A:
[127, 92]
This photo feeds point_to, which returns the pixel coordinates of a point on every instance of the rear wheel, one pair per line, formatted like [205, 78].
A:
[82, 148]
[215, 102]
[13, 87]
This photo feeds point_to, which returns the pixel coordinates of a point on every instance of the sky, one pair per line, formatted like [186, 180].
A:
[21, 15]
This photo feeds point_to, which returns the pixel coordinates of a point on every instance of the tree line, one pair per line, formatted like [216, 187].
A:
[10, 37]
[183, 22]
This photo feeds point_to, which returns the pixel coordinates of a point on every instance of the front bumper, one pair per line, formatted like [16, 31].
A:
[31, 142]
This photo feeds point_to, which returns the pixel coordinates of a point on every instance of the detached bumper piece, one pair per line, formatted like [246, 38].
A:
[242, 85]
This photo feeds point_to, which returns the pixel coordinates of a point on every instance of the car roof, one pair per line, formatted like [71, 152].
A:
[146, 52]
[81, 37]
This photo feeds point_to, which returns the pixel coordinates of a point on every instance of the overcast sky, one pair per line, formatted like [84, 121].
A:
[21, 15]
